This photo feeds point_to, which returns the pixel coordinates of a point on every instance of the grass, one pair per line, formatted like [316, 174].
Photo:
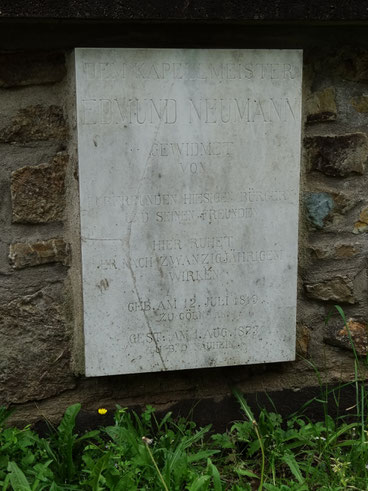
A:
[145, 453]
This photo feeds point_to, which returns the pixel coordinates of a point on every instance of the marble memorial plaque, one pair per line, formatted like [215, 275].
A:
[189, 177]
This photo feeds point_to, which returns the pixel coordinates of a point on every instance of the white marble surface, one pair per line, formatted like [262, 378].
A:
[189, 175]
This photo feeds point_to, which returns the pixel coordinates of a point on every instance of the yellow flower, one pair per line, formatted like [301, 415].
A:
[102, 410]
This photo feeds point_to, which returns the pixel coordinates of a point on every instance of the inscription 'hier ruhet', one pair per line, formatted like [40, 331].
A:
[189, 185]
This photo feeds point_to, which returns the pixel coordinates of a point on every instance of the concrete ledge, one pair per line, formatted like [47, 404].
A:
[25, 35]
[191, 10]
[222, 412]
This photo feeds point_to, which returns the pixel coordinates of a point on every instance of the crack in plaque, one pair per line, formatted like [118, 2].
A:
[158, 349]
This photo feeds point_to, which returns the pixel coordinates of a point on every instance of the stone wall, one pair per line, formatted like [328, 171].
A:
[41, 349]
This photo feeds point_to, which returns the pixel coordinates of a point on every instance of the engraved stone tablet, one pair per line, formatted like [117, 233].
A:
[189, 174]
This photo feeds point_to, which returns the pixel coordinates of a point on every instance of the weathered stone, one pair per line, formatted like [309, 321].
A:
[20, 69]
[163, 388]
[343, 251]
[34, 349]
[35, 123]
[302, 340]
[172, 241]
[353, 64]
[334, 251]
[352, 336]
[344, 202]
[38, 192]
[23, 254]
[338, 155]
[319, 206]
[325, 206]
[360, 104]
[361, 225]
[338, 289]
[360, 228]
[321, 106]
[363, 217]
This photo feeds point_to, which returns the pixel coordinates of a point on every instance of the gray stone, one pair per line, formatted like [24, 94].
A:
[21, 69]
[352, 64]
[34, 351]
[35, 123]
[360, 104]
[319, 206]
[189, 228]
[38, 191]
[23, 254]
[338, 155]
[321, 106]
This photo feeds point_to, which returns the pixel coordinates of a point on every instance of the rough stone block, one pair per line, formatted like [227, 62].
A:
[35, 123]
[34, 351]
[38, 192]
[360, 104]
[353, 64]
[338, 289]
[338, 155]
[362, 224]
[344, 201]
[334, 251]
[20, 69]
[353, 335]
[23, 255]
[302, 340]
[343, 251]
[319, 206]
[321, 106]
